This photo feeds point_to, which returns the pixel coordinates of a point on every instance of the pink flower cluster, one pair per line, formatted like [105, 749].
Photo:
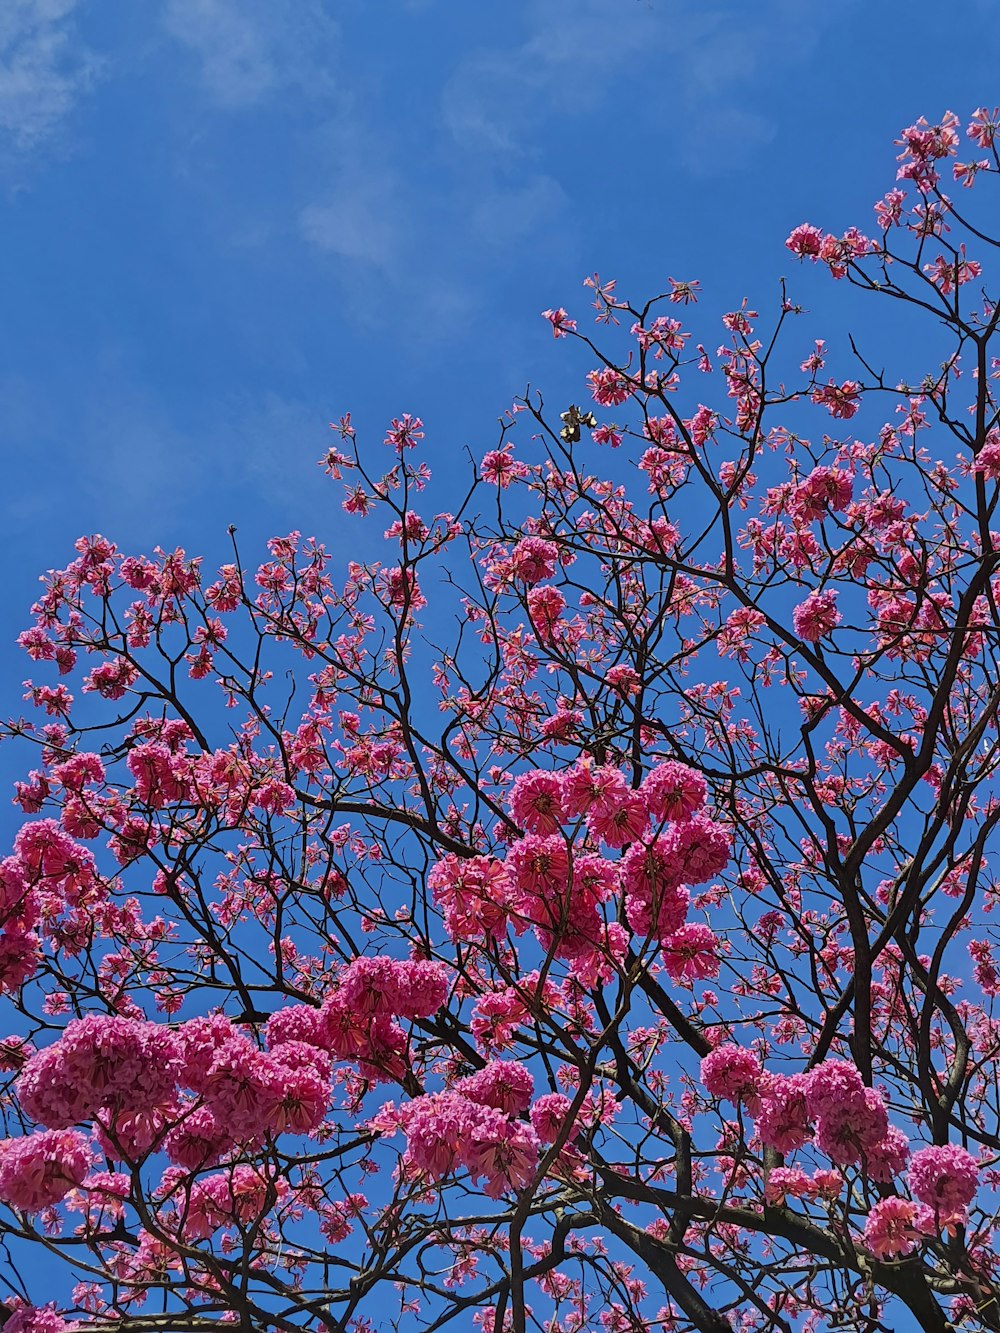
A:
[830, 1105]
[242, 1195]
[557, 886]
[943, 1179]
[101, 1063]
[449, 1131]
[36, 1319]
[47, 873]
[895, 1227]
[39, 1169]
[127, 1075]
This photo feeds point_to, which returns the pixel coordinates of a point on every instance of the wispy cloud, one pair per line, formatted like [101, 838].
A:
[356, 217]
[694, 64]
[248, 50]
[44, 70]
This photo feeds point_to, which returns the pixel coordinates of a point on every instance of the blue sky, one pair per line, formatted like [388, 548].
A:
[226, 222]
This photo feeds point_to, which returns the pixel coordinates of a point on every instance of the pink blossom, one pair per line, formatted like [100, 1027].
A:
[674, 791]
[697, 848]
[842, 400]
[784, 1181]
[505, 1153]
[887, 1158]
[619, 822]
[691, 953]
[804, 241]
[545, 606]
[41, 1168]
[36, 1319]
[474, 893]
[243, 1089]
[550, 1113]
[197, 1140]
[817, 616]
[895, 1227]
[296, 1022]
[560, 321]
[732, 1073]
[536, 801]
[200, 1039]
[503, 1084]
[421, 987]
[609, 387]
[783, 1122]
[586, 785]
[539, 865]
[834, 1087]
[533, 559]
[945, 1178]
[100, 1061]
[847, 1132]
[824, 489]
[987, 461]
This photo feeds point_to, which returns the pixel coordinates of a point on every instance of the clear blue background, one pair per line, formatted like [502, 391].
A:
[226, 222]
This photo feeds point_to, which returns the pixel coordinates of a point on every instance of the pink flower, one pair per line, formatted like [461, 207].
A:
[804, 241]
[549, 1115]
[536, 801]
[732, 1073]
[698, 848]
[243, 1090]
[36, 1319]
[437, 1131]
[647, 871]
[886, 1159]
[674, 791]
[824, 489]
[506, 1154]
[40, 1169]
[586, 785]
[197, 1140]
[817, 616]
[988, 460]
[895, 1227]
[618, 822]
[421, 987]
[503, 1084]
[538, 865]
[545, 605]
[296, 1022]
[500, 468]
[560, 321]
[533, 559]
[834, 1087]
[944, 1178]
[609, 387]
[788, 1180]
[783, 1121]
[691, 953]
[474, 894]
[847, 1132]
[842, 400]
[99, 1061]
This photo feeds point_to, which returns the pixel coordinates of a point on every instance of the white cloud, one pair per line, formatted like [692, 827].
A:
[506, 216]
[43, 70]
[250, 49]
[355, 220]
[701, 61]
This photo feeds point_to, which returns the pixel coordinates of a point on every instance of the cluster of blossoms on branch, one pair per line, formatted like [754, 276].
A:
[579, 918]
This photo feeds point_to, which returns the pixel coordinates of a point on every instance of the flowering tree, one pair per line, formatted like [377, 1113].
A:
[579, 919]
